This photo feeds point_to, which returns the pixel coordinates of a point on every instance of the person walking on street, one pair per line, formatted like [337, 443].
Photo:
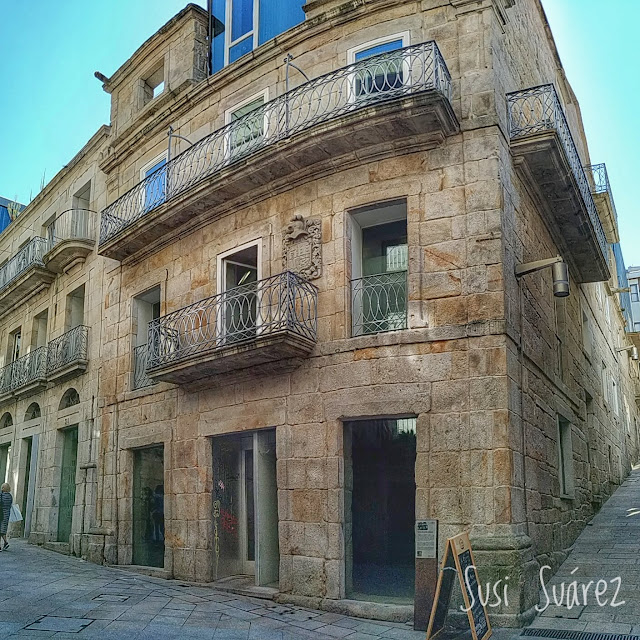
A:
[6, 500]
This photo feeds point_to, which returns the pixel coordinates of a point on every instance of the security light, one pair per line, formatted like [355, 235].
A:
[559, 270]
[632, 349]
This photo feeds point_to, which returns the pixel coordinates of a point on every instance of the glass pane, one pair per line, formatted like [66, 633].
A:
[155, 187]
[251, 129]
[148, 507]
[240, 49]
[249, 493]
[380, 48]
[241, 18]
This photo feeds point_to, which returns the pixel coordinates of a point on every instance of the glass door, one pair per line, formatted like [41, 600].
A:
[67, 483]
[239, 304]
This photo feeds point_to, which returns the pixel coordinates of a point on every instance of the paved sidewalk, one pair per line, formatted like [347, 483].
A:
[608, 548]
[44, 594]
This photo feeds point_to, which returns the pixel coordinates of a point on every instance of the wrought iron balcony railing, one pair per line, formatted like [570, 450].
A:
[379, 303]
[601, 183]
[140, 377]
[282, 303]
[377, 79]
[67, 349]
[31, 254]
[73, 224]
[28, 369]
[537, 110]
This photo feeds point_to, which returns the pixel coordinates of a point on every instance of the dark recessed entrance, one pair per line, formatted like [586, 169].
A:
[380, 508]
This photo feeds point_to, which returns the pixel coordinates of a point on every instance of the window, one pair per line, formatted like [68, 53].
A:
[250, 23]
[74, 310]
[248, 132]
[587, 334]
[604, 376]
[634, 293]
[39, 330]
[615, 399]
[155, 176]
[636, 326]
[392, 73]
[379, 265]
[565, 458]
[146, 307]
[153, 85]
[14, 341]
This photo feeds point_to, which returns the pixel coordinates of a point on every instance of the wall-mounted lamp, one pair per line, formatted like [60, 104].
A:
[633, 349]
[559, 270]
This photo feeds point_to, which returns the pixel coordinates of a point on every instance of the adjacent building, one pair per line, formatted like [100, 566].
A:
[311, 313]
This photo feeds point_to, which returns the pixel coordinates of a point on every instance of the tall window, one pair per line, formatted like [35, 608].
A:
[565, 458]
[146, 307]
[379, 264]
[155, 190]
[634, 293]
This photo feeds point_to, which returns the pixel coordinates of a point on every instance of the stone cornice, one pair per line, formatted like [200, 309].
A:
[499, 7]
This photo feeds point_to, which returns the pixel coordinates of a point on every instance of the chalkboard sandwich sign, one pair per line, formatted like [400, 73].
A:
[458, 559]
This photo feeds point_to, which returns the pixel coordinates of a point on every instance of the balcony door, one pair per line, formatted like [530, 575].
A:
[239, 301]
[155, 189]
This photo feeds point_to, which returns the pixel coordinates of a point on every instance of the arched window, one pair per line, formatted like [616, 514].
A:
[6, 421]
[69, 398]
[33, 412]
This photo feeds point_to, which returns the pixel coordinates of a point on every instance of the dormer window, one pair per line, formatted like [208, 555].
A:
[153, 85]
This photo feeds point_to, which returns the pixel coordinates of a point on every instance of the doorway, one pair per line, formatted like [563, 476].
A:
[245, 507]
[67, 482]
[148, 507]
[380, 494]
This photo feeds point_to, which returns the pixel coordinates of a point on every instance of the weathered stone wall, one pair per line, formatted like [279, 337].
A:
[479, 365]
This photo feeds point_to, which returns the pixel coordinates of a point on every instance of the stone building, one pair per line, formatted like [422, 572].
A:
[305, 327]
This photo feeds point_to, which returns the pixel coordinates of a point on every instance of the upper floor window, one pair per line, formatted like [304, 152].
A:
[634, 293]
[250, 23]
[249, 130]
[379, 264]
[155, 174]
[392, 72]
[153, 84]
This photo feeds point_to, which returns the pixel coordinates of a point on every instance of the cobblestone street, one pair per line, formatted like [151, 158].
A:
[44, 594]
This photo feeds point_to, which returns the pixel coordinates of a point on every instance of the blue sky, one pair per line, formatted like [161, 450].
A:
[50, 103]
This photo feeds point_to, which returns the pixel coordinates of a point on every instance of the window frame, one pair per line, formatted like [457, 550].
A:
[566, 471]
[403, 36]
[228, 119]
[143, 175]
[253, 34]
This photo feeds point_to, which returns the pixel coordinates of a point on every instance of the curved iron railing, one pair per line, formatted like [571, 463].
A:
[72, 224]
[601, 183]
[31, 254]
[538, 109]
[140, 377]
[23, 371]
[67, 348]
[377, 79]
[379, 303]
[284, 302]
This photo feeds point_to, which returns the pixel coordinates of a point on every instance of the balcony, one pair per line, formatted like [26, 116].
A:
[72, 239]
[270, 321]
[24, 376]
[379, 303]
[603, 197]
[24, 275]
[140, 377]
[548, 161]
[67, 354]
[399, 100]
